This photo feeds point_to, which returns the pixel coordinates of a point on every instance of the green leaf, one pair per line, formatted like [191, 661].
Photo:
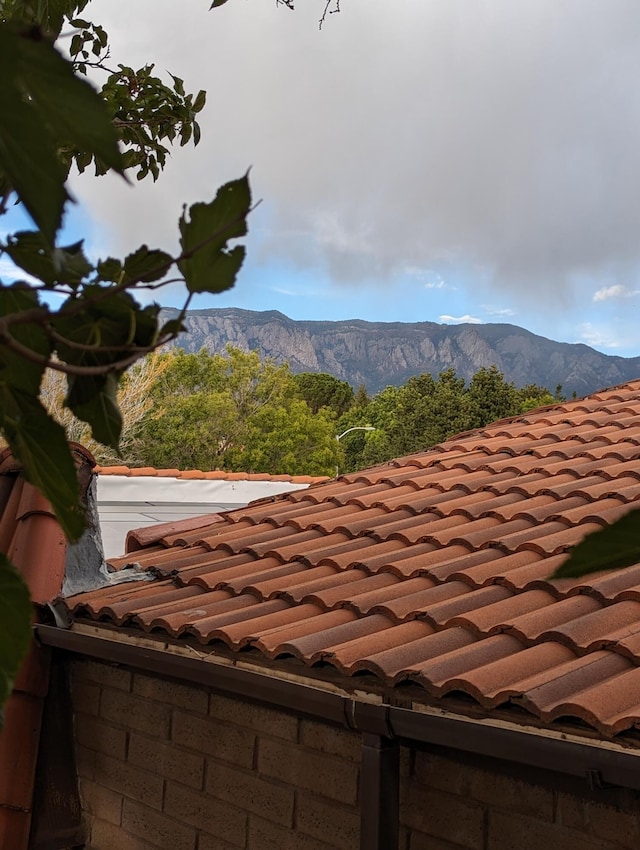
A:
[172, 328]
[110, 270]
[31, 251]
[72, 108]
[199, 102]
[209, 265]
[41, 446]
[178, 85]
[217, 3]
[15, 626]
[28, 155]
[109, 327]
[94, 399]
[146, 265]
[15, 370]
[616, 546]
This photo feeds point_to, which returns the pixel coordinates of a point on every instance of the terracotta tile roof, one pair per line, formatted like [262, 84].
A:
[32, 539]
[432, 570]
[198, 474]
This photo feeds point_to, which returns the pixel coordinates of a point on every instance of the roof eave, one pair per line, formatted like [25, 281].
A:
[600, 763]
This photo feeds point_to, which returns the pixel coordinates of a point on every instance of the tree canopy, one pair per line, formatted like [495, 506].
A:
[235, 412]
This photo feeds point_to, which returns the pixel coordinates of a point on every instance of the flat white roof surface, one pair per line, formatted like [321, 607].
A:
[128, 502]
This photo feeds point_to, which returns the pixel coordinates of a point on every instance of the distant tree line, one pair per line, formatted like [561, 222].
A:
[236, 412]
[427, 410]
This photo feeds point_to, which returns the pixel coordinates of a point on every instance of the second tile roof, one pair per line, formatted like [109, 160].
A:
[432, 570]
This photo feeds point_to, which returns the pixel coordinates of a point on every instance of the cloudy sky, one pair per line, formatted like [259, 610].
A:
[417, 160]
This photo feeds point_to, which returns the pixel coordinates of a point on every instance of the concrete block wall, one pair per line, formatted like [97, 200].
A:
[164, 765]
[447, 804]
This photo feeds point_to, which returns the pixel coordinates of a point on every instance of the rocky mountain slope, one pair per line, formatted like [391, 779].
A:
[380, 353]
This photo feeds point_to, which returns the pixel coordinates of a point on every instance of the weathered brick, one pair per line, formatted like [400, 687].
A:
[107, 836]
[136, 712]
[442, 815]
[606, 822]
[101, 802]
[85, 696]
[85, 762]
[406, 761]
[166, 760]
[445, 774]
[483, 786]
[323, 818]
[510, 831]
[204, 812]
[330, 739]
[129, 780]
[102, 674]
[264, 835]
[303, 768]
[210, 842]
[174, 693]
[205, 735]
[508, 793]
[254, 716]
[418, 841]
[263, 797]
[96, 734]
[163, 831]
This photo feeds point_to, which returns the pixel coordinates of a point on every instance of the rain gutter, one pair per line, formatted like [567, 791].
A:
[382, 726]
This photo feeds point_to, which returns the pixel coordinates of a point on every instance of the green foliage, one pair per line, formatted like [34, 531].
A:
[533, 395]
[362, 397]
[320, 390]
[147, 114]
[616, 546]
[15, 626]
[45, 107]
[51, 117]
[206, 263]
[238, 413]
[491, 397]
[426, 411]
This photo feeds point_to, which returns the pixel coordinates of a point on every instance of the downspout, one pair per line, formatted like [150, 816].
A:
[382, 726]
[379, 793]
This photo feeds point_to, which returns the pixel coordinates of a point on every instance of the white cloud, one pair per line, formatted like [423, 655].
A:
[10, 272]
[432, 279]
[457, 320]
[598, 337]
[303, 293]
[498, 311]
[615, 291]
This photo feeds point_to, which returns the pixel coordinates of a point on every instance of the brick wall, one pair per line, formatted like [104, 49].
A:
[165, 766]
[451, 804]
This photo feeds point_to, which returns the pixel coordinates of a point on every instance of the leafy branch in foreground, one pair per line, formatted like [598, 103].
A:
[615, 547]
[51, 116]
[99, 330]
[14, 637]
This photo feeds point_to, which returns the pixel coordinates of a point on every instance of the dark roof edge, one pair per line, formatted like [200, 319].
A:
[599, 765]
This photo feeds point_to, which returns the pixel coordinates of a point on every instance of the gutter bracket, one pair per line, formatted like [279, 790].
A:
[596, 782]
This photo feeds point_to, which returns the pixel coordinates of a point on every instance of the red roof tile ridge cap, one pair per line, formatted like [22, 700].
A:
[9, 463]
[141, 538]
[198, 474]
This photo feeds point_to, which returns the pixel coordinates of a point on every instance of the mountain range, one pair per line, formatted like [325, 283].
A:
[380, 353]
